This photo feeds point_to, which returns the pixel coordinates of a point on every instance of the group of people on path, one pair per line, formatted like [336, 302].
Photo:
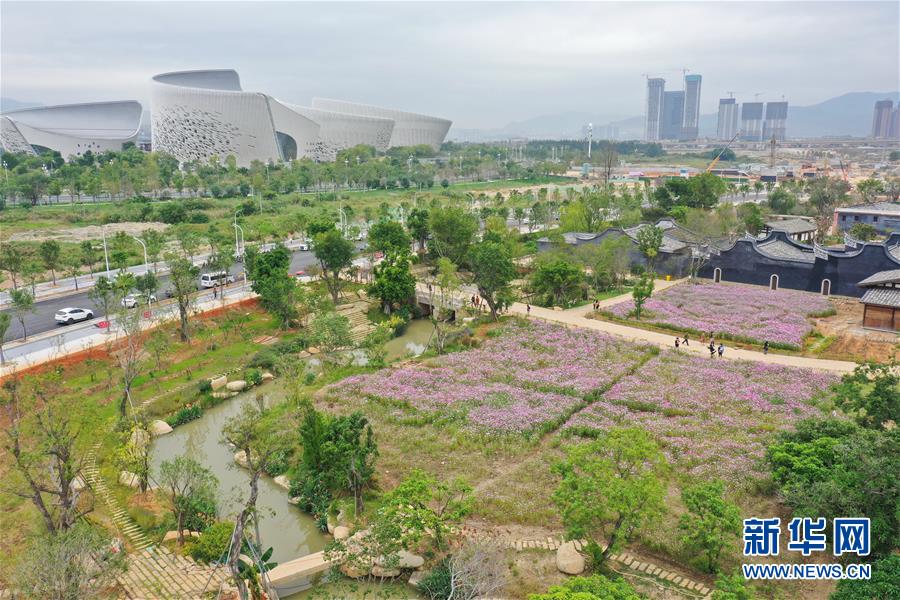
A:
[713, 349]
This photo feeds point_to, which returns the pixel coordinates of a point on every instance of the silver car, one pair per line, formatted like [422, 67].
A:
[67, 316]
[132, 300]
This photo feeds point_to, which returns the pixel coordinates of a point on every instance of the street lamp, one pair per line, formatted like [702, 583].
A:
[144, 246]
[105, 252]
[238, 245]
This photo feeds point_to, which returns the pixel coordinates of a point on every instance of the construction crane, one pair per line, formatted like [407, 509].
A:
[772, 143]
[843, 169]
[715, 161]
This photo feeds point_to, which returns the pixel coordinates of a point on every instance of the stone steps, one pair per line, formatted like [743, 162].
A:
[122, 520]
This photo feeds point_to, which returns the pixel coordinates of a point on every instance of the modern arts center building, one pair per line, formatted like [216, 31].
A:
[198, 114]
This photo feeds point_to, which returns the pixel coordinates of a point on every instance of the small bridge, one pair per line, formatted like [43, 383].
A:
[292, 576]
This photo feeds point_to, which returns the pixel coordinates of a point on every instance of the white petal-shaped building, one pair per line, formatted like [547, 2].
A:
[410, 129]
[199, 114]
[71, 129]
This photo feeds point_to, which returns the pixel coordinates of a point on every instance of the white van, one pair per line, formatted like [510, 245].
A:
[209, 280]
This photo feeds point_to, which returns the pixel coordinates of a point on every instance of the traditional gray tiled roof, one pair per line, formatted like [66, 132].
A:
[894, 251]
[792, 225]
[880, 278]
[882, 296]
[784, 251]
[882, 208]
[670, 241]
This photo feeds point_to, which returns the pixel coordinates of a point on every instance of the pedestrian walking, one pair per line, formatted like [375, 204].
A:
[686, 343]
[712, 349]
[528, 309]
[215, 293]
[677, 342]
[473, 301]
[721, 349]
[766, 347]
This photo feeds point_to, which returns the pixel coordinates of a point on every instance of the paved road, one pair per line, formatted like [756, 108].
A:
[41, 319]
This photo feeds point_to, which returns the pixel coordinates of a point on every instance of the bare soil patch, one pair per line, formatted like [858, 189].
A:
[851, 339]
[79, 234]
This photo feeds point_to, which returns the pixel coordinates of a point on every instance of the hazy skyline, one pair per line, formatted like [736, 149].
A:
[481, 65]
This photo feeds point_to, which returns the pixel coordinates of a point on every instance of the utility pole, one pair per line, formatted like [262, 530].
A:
[590, 138]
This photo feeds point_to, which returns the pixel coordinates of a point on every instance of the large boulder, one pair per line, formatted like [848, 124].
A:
[139, 437]
[77, 485]
[282, 481]
[238, 385]
[355, 571]
[267, 376]
[405, 560]
[341, 532]
[158, 428]
[129, 479]
[569, 560]
[313, 350]
[384, 572]
[416, 578]
[241, 458]
[219, 382]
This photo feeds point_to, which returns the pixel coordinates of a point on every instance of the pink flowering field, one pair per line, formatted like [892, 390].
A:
[523, 381]
[742, 312]
[711, 416]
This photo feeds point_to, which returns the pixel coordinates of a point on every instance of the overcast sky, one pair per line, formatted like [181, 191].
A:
[481, 65]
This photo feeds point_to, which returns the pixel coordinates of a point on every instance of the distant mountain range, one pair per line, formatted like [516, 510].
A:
[847, 115]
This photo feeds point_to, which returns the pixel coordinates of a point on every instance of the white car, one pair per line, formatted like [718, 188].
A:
[303, 247]
[303, 277]
[67, 316]
[132, 300]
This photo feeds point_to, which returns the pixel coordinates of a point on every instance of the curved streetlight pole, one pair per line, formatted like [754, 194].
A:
[144, 246]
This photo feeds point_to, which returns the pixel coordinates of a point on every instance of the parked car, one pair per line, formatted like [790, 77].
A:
[303, 277]
[303, 247]
[210, 280]
[67, 316]
[132, 300]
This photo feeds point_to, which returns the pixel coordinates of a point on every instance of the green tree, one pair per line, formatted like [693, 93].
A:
[12, 260]
[614, 483]
[417, 224]
[389, 237]
[183, 280]
[88, 255]
[334, 254]
[649, 239]
[147, 284]
[863, 231]
[595, 587]
[155, 241]
[394, 284]
[705, 190]
[50, 255]
[443, 292]
[733, 587]
[102, 295]
[883, 585]
[641, 292]
[871, 394]
[711, 522]
[81, 563]
[869, 188]
[558, 280]
[330, 331]
[270, 279]
[493, 270]
[22, 305]
[72, 266]
[781, 201]
[5, 320]
[187, 483]
[261, 440]
[830, 468]
[452, 231]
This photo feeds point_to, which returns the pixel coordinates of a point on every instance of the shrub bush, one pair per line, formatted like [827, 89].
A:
[204, 386]
[437, 583]
[264, 359]
[198, 217]
[185, 415]
[212, 544]
[253, 377]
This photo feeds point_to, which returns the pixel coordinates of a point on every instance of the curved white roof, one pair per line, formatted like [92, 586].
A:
[343, 130]
[410, 129]
[72, 129]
